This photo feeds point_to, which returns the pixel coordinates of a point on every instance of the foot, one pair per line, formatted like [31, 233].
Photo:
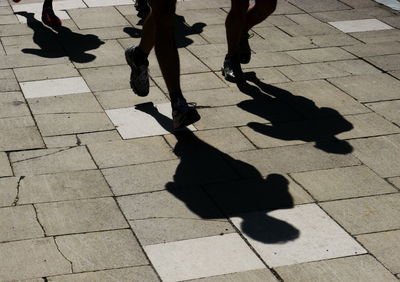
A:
[245, 51]
[49, 18]
[232, 70]
[184, 114]
[139, 73]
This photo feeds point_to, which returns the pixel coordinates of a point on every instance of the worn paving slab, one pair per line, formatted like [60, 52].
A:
[97, 15]
[12, 104]
[45, 72]
[258, 275]
[8, 190]
[390, 110]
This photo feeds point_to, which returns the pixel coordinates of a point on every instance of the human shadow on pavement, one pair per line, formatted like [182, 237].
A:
[60, 42]
[293, 117]
[210, 183]
[182, 31]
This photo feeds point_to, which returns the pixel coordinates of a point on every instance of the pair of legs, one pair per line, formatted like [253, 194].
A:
[241, 18]
[48, 16]
[159, 32]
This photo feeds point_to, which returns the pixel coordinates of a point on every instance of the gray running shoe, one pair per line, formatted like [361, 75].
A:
[184, 114]
[139, 74]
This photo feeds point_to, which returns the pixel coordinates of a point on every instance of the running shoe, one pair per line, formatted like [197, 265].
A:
[139, 74]
[184, 114]
[232, 70]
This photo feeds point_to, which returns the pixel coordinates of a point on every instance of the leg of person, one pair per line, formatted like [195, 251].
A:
[234, 24]
[183, 113]
[48, 16]
[255, 15]
[136, 57]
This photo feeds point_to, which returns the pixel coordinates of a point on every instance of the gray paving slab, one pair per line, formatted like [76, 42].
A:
[360, 3]
[97, 15]
[353, 14]
[9, 19]
[206, 4]
[60, 141]
[310, 29]
[392, 20]
[366, 215]
[212, 16]
[8, 84]
[320, 55]
[107, 33]
[51, 161]
[80, 216]
[101, 250]
[12, 104]
[228, 96]
[355, 67]
[107, 78]
[128, 152]
[379, 153]
[325, 5]
[61, 124]
[259, 275]
[284, 7]
[384, 246]
[395, 74]
[304, 19]
[395, 181]
[374, 49]
[8, 190]
[19, 223]
[27, 60]
[333, 40]
[357, 268]
[293, 159]
[45, 72]
[42, 260]
[14, 29]
[369, 88]
[377, 36]
[389, 110]
[128, 274]
[311, 71]
[62, 186]
[5, 168]
[386, 62]
[24, 44]
[98, 137]
[342, 183]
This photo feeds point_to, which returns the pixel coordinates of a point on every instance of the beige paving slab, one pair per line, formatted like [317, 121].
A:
[379, 153]
[216, 97]
[333, 40]
[39, 256]
[98, 137]
[369, 88]
[357, 268]
[12, 104]
[325, 5]
[102, 250]
[320, 55]
[378, 36]
[8, 190]
[128, 274]
[374, 49]
[395, 74]
[386, 62]
[359, 13]
[97, 16]
[198, 258]
[355, 67]
[279, 43]
[63, 186]
[268, 75]
[27, 60]
[395, 181]
[61, 124]
[45, 72]
[258, 275]
[18, 223]
[365, 215]
[25, 44]
[5, 168]
[51, 161]
[80, 216]
[309, 29]
[8, 84]
[107, 33]
[73, 103]
[311, 71]
[60, 141]
[107, 78]
[97, 3]
[341, 183]
[14, 29]
[384, 246]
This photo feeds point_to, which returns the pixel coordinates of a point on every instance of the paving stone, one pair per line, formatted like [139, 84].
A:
[97, 3]
[51, 161]
[101, 250]
[122, 153]
[5, 168]
[366, 13]
[374, 49]
[9, 84]
[310, 29]
[80, 216]
[8, 19]
[129, 274]
[293, 159]
[62, 187]
[98, 137]
[54, 87]
[333, 40]
[325, 5]
[389, 110]
[341, 183]
[369, 88]
[357, 268]
[393, 21]
[384, 246]
[173, 260]
[311, 71]
[19, 133]
[228, 96]
[354, 67]
[125, 98]
[360, 25]
[320, 55]
[379, 153]
[377, 36]
[304, 19]
[268, 75]
[12, 104]
[18, 223]
[395, 181]
[8, 190]
[212, 16]
[73, 103]
[259, 275]
[14, 29]
[97, 16]
[25, 44]
[359, 3]
[107, 78]
[192, 82]
[43, 259]
[108, 54]
[60, 141]
[395, 74]
[366, 215]
[45, 72]
[61, 124]
[387, 62]
[27, 60]
[282, 43]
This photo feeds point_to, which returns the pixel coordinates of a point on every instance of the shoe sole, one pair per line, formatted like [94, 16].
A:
[130, 63]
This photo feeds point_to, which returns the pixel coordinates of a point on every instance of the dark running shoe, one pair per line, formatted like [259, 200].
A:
[49, 18]
[245, 51]
[232, 70]
[184, 114]
[139, 74]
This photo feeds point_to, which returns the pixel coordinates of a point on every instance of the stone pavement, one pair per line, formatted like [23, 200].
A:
[291, 176]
